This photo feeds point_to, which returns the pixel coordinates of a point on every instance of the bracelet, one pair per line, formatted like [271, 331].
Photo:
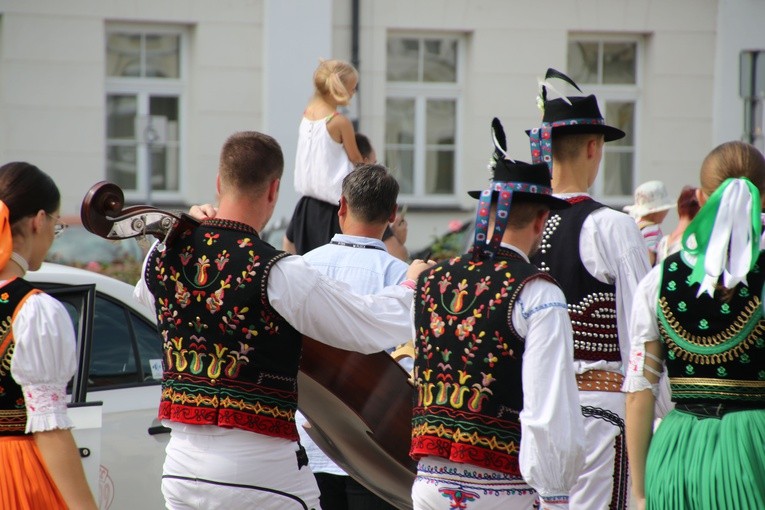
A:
[409, 284]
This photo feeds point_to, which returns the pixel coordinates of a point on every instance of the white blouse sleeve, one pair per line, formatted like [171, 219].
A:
[643, 329]
[44, 360]
[552, 427]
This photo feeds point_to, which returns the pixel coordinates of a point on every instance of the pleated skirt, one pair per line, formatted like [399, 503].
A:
[25, 483]
[707, 463]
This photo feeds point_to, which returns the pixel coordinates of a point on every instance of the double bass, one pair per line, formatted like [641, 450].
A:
[359, 406]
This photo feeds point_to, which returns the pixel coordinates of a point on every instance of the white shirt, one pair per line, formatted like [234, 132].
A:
[552, 427]
[44, 360]
[612, 250]
[321, 163]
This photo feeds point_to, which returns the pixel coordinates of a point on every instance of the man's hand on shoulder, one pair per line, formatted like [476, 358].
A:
[418, 266]
[203, 212]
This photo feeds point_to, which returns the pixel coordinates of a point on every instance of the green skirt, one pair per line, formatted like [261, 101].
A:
[707, 463]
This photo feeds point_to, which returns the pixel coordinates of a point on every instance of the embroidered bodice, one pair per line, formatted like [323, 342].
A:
[591, 303]
[714, 349]
[230, 359]
[468, 361]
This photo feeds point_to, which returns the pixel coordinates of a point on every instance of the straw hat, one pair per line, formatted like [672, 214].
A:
[650, 197]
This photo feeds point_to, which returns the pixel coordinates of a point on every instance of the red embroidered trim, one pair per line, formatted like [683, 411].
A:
[464, 453]
[228, 418]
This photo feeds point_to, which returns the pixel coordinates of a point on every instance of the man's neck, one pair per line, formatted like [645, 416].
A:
[352, 227]
[569, 178]
[249, 213]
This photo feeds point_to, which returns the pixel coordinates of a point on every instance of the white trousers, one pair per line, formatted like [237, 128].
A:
[445, 485]
[209, 468]
[604, 482]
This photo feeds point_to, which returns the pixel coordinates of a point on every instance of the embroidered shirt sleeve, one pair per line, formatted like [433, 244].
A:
[44, 361]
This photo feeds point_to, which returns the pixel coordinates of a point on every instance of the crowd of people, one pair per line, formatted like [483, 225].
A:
[542, 358]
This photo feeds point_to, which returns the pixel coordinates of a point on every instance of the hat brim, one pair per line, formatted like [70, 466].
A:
[522, 196]
[610, 133]
[638, 211]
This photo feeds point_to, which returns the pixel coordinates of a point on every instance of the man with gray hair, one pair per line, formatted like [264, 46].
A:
[359, 258]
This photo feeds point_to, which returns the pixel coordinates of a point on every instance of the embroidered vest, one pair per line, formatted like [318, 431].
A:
[13, 411]
[715, 350]
[468, 361]
[230, 359]
[591, 303]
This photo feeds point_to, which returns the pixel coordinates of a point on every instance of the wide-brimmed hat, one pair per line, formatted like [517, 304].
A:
[566, 115]
[528, 182]
[650, 197]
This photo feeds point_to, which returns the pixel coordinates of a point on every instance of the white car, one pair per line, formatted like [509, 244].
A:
[118, 339]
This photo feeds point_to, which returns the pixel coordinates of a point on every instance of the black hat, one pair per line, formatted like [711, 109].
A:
[529, 182]
[566, 115]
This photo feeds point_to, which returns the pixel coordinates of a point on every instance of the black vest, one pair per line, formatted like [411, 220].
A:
[715, 350]
[13, 411]
[591, 303]
[468, 361]
[230, 359]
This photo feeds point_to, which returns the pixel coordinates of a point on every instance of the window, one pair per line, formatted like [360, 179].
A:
[609, 68]
[422, 115]
[144, 90]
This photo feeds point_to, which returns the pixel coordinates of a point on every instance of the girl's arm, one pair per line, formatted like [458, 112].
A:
[639, 421]
[341, 130]
[62, 459]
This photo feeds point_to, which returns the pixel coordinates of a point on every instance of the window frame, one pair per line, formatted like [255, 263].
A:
[621, 93]
[144, 88]
[420, 92]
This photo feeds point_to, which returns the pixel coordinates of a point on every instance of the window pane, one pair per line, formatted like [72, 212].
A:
[617, 173]
[622, 116]
[583, 62]
[120, 117]
[149, 345]
[123, 55]
[112, 359]
[619, 63]
[401, 164]
[403, 59]
[439, 172]
[166, 107]
[440, 60]
[440, 121]
[121, 165]
[399, 121]
[162, 56]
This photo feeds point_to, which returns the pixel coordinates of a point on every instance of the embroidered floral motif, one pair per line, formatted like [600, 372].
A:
[671, 285]
[722, 372]
[211, 238]
[689, 369]
[672, 267]
[682, 307]
[4, 298]
[703, 324]
[725, 309]
[744, 358]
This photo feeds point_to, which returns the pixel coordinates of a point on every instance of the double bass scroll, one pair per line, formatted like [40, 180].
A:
[103, 213]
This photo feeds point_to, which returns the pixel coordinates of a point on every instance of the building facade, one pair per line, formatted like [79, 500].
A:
[143, 93]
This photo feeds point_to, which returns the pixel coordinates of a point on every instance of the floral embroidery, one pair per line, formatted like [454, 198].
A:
[211, 238]
[4, 298]
[721, 372]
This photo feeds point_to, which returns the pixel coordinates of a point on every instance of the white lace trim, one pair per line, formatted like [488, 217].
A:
[635, 379]
[46, 407]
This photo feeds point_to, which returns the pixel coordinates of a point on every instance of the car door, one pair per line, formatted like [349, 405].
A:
[124, 372]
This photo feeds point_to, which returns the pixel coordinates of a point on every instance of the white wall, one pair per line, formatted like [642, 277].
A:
[740, 27]
[297, 34]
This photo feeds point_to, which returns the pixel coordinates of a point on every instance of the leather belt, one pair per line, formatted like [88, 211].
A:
[709, 410]
[600, 380]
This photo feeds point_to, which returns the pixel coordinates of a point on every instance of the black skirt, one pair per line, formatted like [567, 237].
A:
[313, 224]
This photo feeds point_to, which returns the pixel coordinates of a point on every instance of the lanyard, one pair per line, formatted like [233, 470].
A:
[356, 245]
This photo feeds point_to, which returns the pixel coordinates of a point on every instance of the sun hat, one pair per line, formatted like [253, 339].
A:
[650, 197]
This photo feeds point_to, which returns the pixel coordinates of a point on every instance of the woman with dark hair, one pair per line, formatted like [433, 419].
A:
[42, 467]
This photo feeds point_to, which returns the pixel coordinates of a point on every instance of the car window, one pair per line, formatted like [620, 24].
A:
[112, 355]
[149, 347]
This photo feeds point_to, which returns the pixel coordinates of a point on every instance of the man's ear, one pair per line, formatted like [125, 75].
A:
[393, 213]
[541, 221]
[343, 211]
[273, 190]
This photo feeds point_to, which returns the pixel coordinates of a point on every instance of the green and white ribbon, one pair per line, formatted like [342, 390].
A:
[727, 236]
